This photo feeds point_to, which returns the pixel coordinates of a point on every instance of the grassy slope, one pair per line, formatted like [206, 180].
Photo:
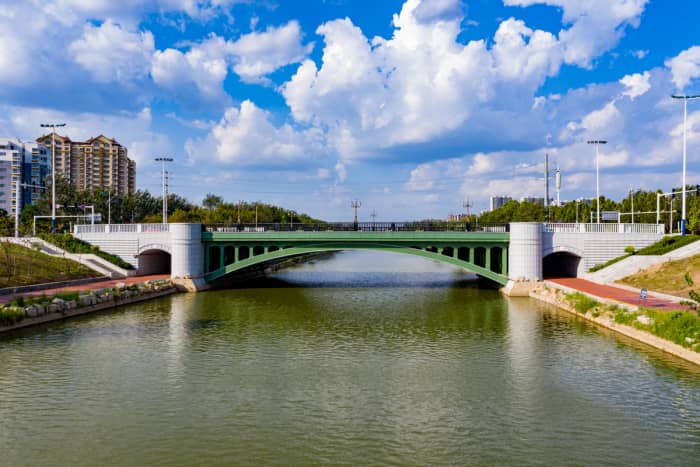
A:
[667, 277]
[24, 266]
[663, 246]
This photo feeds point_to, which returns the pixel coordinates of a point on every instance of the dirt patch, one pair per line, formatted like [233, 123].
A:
[667, 277]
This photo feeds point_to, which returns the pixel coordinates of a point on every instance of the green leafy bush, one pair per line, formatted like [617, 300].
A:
[663, 246]
[10, 316]
[680, 327]
[668, 243]
[74, 245]
[67, 296]
[582, 303]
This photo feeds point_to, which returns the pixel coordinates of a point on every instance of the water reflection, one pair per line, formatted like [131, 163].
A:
[323, 366]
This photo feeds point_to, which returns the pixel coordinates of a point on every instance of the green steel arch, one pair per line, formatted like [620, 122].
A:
[237, 251]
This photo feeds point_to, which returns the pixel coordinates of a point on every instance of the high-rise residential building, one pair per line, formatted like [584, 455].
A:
[26, 163]
[11, 157]
[496, 202]
[98, 163]
[36, 170]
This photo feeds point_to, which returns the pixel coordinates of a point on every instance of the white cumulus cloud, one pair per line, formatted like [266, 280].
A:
[247, 136]
[636, 84]
[685, 67]
[111, 53]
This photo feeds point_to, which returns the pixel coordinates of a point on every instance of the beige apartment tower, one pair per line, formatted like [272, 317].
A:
[98, 163]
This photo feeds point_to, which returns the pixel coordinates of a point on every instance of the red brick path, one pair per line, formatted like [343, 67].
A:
[91, 286]
[616, 293]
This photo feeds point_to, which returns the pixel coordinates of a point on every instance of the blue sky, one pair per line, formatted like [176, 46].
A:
[410, 106]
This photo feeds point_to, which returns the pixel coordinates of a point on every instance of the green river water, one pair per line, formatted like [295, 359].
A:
[362, 359]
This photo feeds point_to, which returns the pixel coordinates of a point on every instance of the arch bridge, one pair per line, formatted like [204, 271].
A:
[515, 253]
[483, 253]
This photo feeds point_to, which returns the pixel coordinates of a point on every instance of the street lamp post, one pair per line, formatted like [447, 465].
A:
[597, 142]
[53, 171]
[685, 122]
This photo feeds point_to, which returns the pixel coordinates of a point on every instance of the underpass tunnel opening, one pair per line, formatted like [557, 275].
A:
[154, 262]
[561, 264]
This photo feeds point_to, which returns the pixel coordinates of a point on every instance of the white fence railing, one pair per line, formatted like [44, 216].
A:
[605, 228]
[547, 227]
[121, 228]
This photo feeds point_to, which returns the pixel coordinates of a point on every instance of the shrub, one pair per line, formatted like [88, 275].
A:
[67, 296]
[582, 303]
[675, 326]
[629, 249]
[668, 243]
[74, 245]
[10, 316]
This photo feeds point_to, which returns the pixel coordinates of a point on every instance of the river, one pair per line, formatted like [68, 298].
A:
[362, 359]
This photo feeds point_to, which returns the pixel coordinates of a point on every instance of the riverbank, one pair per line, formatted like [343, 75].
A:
[25, 311]
[557, 295]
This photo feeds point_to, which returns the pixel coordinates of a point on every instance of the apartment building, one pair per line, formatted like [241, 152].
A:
[98, 163]
[27, 163]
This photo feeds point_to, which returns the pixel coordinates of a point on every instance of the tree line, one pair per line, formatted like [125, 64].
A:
[140, 207]
[143, 207]
[585, 210]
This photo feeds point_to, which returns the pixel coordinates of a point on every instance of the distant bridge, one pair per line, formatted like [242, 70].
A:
[498, 252]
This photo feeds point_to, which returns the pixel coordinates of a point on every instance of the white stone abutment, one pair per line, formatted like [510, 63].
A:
[187, 256]
[524, 258]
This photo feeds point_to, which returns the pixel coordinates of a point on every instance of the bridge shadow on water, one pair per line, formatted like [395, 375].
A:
[360, 280]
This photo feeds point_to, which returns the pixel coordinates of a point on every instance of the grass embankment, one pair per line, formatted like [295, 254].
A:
[661, 247]
[668, 277]
[25, 266]
[679, 327]
[75, 245]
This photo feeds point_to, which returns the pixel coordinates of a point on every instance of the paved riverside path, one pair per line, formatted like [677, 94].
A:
[616, 293]
[85, 287]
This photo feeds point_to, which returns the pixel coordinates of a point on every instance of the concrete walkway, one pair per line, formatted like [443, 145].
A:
[616, 293]
[86, 287]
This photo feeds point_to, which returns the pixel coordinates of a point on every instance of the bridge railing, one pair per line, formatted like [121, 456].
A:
[360, 227]
[120, 228]
[604, 228]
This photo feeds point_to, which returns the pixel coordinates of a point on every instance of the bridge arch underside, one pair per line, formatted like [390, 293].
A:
[154, 261]
[486, 261]
[561, 264]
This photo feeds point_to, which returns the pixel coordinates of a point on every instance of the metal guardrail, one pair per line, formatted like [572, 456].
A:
[604, 228]
[121, 228]
[359, 227]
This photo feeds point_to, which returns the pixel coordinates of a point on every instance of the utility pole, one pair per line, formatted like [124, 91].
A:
[355, 204]
[53, 171]
[163, 161]
[256, 215]
[239, 211]
[467, 205]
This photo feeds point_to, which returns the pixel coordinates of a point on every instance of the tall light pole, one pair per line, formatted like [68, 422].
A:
[597, 142]
[685, 122]
[53, 127]
[163, 161]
